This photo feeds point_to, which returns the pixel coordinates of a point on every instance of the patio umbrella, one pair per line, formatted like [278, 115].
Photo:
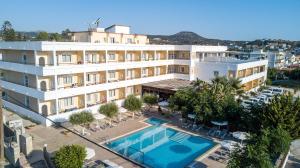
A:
[163, 104]
[122, 110]
[240, 135]
[90, 153]
[221, 123]
[228, 144]
[98, 116]
[191, 116]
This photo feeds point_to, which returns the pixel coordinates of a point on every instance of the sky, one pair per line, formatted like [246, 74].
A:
[222, 19]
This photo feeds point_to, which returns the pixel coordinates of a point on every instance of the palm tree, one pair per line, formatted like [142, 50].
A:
[199, 84]
[110, 110]
[235, 83]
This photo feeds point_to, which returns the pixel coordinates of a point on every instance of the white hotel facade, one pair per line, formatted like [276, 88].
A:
[57, 79]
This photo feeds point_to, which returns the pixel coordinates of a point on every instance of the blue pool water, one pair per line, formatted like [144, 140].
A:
[161, 147]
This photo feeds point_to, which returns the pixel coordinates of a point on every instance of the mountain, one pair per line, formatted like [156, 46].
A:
[186, 37]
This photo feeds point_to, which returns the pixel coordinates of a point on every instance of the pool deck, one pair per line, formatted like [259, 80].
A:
[54, 138]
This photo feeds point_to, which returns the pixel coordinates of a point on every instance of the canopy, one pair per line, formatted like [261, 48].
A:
[192, 116]
[98, 116]
[228, 144]
[90, 153]
[122, 110]
[163, 103]
[221, 123]
[240, 135]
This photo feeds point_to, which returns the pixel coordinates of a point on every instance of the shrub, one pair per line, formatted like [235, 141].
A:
[70, 156]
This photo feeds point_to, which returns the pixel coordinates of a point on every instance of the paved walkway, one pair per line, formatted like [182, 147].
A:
[55, 138]
[294, 158]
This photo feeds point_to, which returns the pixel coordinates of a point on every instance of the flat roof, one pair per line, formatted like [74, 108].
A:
[169, 84]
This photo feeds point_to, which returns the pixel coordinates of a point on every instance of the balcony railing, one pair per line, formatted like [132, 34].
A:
[73, 85]
[22, 84]
[27, 63]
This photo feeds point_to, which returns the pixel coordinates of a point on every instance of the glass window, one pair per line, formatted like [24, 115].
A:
[112, 57]
[67, 80]
[129, 40]
[68, 101]
[26, 101]
[111, 74]
[112, 40]
[216, 73]
[112, 93]
[66, 58]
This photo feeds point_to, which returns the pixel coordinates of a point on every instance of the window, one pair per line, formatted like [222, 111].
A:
[88, 78]
[129, 57]
[129, 40]
[88, 97]
[26, 101]
[94, 58]
[96, 97]
[68, 101]
[66, 58]
[157, 69]
[112, 40]
[216, 73]
[144, 71]
[182, 69]
[129, 73]
[26, 80]
[112, 57]
[112, 93]
[111, 74]
[67, 80]
[24, 59]
[130, 90]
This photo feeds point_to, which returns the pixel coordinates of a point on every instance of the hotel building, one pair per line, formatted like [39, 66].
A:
[57, 79]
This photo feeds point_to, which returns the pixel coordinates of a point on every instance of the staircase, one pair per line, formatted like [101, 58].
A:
[179, 137]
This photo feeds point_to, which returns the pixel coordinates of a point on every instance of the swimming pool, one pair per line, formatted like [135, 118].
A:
[161, 147]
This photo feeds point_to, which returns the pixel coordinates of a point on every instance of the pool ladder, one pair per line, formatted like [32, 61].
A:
[179, 137]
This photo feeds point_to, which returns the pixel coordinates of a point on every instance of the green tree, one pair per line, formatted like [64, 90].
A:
[42, 36]
[150, 99]
[254, 154]
[272, 74]
[280, 141]
[7, 32]
[110, 110]
[81, 118]
[70, 156]
[261, 149]
[55, 37]
[65, 35]
[133, 103]
[283, 111]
